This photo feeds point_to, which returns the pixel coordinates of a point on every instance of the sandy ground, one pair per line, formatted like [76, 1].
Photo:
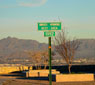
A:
[18, 80]
[37, 82]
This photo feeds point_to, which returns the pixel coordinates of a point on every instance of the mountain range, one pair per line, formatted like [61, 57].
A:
[14, 48]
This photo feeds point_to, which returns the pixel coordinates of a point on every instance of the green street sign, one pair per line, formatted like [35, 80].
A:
[49, 26]
[49, 34]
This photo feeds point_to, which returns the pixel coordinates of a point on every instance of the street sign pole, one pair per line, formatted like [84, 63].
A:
[49, 28]
[50, 74]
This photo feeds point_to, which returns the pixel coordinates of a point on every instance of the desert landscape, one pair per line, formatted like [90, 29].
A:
[47, 42]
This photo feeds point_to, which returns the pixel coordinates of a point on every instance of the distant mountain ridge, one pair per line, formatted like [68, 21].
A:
[86, 48]
[14, 48]
[10, 45]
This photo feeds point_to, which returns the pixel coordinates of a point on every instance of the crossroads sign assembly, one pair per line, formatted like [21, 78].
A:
[49, 29]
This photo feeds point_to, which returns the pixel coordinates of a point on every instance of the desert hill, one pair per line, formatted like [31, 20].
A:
[13, 49]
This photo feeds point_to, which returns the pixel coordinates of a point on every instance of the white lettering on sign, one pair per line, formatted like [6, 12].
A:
[44, 28]
[54, 28]
[43, 24]
[54, 24]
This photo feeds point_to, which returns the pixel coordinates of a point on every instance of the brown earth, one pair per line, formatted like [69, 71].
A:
[41, 82]
[20, 80]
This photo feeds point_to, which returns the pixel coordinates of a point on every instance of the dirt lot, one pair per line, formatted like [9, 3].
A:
[18, 80]
[41, 82]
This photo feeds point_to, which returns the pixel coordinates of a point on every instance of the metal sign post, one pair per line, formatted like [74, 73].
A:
[49, 28]
[50, 74]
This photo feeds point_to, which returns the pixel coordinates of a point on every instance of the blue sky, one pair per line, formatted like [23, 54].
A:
[18, 18]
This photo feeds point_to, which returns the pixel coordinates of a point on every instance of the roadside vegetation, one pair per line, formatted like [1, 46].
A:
[66, 47]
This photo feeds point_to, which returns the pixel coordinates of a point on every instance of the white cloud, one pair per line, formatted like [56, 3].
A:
[25, 3]
[31, 3]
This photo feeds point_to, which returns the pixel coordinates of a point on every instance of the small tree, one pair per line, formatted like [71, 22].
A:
[66, 47]
[45, 58]
[40, 57]
[36, 58]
